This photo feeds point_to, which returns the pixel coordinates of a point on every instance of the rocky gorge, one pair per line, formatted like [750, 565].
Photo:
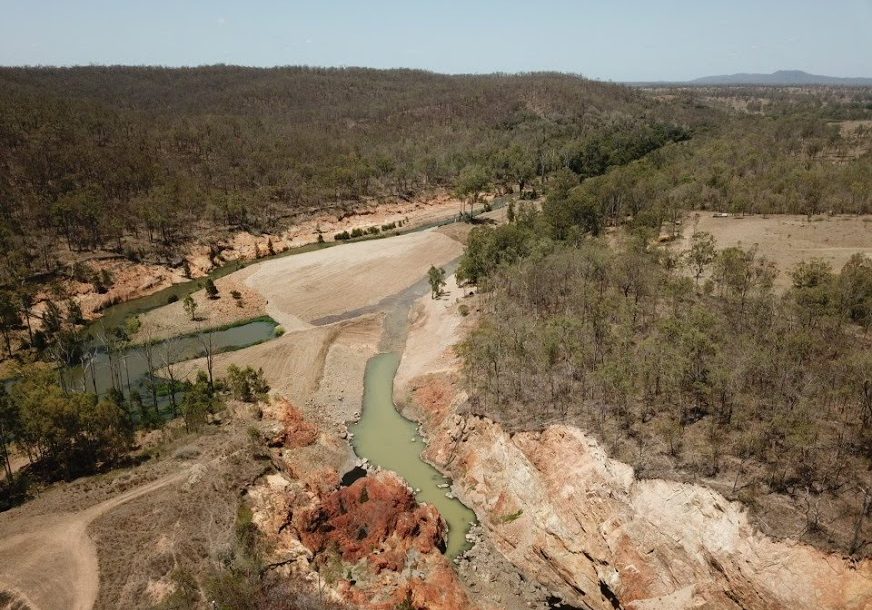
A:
[582, 525]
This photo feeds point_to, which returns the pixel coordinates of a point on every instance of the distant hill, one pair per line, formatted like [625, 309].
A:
[782, 78]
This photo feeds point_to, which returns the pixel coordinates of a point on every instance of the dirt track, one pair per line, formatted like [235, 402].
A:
[55, 560]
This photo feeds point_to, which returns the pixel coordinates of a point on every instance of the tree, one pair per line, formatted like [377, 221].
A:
[8, 319]
[73, 433]
[190, 307]
[206, 340]
[701, 254]
[570, 213]
[246, 384]
[148, 350]
[74, 313]
[27, 298]
[199, 401]
[169, 358]
[813, 288]
[436, 276]
[471, 182]
[10, 426]
[855, 290]
[739, 273]
[211, 289]
[52, 320]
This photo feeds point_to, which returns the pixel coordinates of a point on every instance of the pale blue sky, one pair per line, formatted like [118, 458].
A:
[617, 40]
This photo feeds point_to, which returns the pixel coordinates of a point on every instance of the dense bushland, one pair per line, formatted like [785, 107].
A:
[115, 157]
[685, 364]
[138, 162]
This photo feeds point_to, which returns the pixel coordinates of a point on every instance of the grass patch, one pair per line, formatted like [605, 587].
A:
[511, 516]
[210, 329]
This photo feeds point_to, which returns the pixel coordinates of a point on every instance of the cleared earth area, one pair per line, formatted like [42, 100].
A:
[113, 540]
[312, 286]
[788, 239]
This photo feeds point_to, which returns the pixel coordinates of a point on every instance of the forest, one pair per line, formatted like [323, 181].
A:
[139, 161]
[137, 158]
[683, 362]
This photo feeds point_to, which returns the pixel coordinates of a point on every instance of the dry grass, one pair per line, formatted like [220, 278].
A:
[788, 239]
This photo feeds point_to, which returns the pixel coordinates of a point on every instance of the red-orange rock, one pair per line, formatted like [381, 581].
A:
[359, 519]
[377, 519]
[296, 431]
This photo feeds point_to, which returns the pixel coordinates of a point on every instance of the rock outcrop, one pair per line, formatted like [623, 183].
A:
[580, 523]
[566, 515]
[389, 546]
[369, 544]
[375, 513]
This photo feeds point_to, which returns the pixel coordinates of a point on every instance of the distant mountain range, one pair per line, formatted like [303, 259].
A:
[781, 78]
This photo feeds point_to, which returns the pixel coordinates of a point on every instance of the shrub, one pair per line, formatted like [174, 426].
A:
[172, 299]
[211, 289]
[246, 384]
[343, 236]
[132, 325]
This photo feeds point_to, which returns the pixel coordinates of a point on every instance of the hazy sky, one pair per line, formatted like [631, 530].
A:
[617, 40]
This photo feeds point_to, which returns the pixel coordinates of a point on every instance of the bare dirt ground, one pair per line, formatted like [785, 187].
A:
[172, 320]
[299, 289]
[307, 287]
[55, 562]
[414, 213]
[788, 239]
[114, 541]
[132, 280]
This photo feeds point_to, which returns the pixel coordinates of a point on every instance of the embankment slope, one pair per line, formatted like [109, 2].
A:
[555, 505]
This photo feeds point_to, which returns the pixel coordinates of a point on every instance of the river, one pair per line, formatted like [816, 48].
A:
[96, 375]
[391, 441]
[383, 436]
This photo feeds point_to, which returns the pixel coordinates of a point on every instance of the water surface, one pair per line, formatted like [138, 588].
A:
[391, 441]
[131, 364]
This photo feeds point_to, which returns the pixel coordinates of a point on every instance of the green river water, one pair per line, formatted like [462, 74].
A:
[391, 441]
[382, 436]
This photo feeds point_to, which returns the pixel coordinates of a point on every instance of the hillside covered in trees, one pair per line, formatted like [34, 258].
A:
[98, 157]
[764, 396]
[139, 160]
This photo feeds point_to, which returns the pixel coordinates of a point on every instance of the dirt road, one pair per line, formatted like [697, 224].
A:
[55, 560]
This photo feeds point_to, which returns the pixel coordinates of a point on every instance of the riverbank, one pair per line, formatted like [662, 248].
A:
[317, 371]
[214, 250]
[560, 511]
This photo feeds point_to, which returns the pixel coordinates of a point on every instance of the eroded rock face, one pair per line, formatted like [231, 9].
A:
[362, 519]
[567, 516]
[295, 430]
[388, 546]
[581, 524]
